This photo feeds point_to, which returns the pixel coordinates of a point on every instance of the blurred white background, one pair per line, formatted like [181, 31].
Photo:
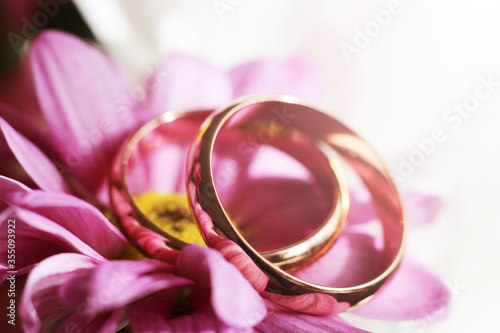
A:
[395, 81]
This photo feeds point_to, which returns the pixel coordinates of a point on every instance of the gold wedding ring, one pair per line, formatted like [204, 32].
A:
[298, 119]
[155, 242]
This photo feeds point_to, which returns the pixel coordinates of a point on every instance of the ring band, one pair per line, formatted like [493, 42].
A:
[320, 128]
[155, 242]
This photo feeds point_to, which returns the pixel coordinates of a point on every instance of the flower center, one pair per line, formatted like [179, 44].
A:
[183, 305]
[171, 213]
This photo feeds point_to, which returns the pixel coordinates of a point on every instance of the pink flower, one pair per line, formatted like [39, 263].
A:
[72, 291]
[76, 286]
[48, 223]
[89, 108]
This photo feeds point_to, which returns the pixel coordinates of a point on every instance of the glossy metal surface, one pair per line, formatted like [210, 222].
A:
[147, 236]
[320, 127]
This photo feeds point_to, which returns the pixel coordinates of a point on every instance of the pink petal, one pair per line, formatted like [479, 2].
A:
[36, 164]
[21, 272]
[412, 293]
[288, 210]
[87, 322]
[78, 217]
[86, 102]
[285, 189]
[41, 305]
[203, 324]
[295, 76]
[158, 161]
[8, 187]
[115, 284]
[208, 268]
[162, 171]
[183, 82]
[38, 238]
[154, 314]
[26, 127]
[271, 162]
[236, 256]
[350, 262]
[11, 168]
[282, 320]
[421, 209]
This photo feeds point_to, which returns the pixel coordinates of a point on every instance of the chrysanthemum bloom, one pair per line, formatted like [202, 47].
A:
[72, 291]
[80, 288]
[90, 108]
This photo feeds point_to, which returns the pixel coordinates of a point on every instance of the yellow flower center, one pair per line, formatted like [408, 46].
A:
[171, 213]
[168, 211]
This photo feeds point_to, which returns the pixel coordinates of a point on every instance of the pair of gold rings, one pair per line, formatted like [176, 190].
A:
[296, 128]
